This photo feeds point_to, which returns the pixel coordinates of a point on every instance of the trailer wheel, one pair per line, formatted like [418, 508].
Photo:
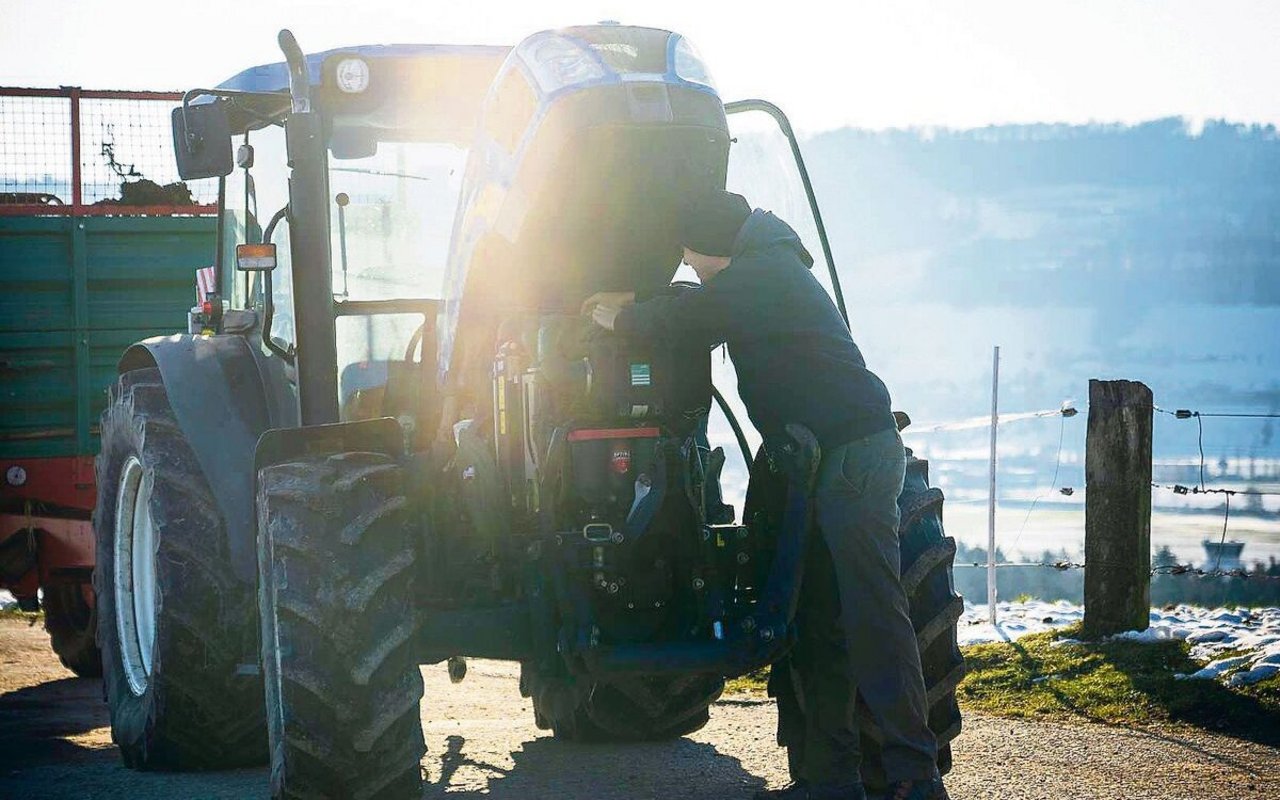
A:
[928, 556]
[335, 567]
[72, 626]
[622, 709]
[177, 630]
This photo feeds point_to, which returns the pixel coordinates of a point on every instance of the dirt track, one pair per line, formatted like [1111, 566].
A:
[55, 743]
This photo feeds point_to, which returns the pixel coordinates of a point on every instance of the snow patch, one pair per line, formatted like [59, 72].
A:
[1015, 620]
[1216, 669]
[1156, 633]
[1258, 673]
[1251, 635]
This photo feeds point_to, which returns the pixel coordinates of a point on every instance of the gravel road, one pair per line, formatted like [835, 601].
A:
[55, 743]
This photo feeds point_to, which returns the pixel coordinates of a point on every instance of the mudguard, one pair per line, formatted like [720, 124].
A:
[225, 394]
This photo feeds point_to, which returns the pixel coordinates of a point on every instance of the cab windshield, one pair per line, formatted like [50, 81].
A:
[391, 219]
[389, 236]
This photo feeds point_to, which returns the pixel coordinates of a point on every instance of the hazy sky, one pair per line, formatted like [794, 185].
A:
[875, 64]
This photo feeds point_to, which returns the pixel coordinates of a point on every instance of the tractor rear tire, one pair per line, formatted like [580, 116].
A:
[72, 626]
[335, 567]
[928, 556]
[622, 709]
[178, 649]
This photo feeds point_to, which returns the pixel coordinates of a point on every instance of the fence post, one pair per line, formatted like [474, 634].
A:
[992, 594]
[1117, 528]
[77, 192]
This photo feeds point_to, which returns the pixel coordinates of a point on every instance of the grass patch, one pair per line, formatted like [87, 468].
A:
[26, 616]
[752, 683]
[1119, 683]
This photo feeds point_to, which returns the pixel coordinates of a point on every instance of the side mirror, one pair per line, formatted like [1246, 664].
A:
[202, 141]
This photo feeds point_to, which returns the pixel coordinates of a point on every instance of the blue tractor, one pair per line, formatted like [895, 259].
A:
[390, 439]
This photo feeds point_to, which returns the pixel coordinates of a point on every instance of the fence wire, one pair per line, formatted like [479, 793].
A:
[1213, 571]
[1167, 569]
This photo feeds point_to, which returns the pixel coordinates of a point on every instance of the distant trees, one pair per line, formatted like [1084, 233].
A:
[1040, 214]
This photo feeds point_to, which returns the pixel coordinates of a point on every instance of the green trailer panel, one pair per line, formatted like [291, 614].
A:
[74, 293]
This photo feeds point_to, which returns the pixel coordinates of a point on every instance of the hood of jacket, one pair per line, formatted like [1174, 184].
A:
[763, 231]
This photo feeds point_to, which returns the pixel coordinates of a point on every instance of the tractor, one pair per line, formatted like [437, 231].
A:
[394, 441]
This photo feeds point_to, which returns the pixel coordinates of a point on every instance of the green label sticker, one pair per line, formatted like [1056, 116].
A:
[640, 375]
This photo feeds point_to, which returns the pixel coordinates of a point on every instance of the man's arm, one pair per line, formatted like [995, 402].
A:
[614, 299]
[706, 314]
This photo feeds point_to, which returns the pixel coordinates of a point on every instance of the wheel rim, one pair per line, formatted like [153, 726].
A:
[135, 574]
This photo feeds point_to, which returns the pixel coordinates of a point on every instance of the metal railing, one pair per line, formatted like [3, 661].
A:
[82, 152]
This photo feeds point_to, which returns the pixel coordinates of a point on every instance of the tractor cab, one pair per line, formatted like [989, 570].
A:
[452, 190]
[396, 124]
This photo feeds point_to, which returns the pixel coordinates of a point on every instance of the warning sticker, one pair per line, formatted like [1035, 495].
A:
[640, 375]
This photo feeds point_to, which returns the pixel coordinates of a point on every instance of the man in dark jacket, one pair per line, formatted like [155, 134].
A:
[796, 362]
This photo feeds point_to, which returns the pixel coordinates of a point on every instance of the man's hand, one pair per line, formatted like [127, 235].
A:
[618, 300]
[605, 315]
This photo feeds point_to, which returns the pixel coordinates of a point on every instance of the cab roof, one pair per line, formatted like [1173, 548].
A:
[416, 90]
[275, 77]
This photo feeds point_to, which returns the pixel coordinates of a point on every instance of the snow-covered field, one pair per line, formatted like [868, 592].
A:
[1251, 635]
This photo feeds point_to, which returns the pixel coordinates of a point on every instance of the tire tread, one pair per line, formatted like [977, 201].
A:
[201, 710]
[336, 577]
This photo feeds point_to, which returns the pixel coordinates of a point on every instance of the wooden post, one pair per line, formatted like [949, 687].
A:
[1117, 528]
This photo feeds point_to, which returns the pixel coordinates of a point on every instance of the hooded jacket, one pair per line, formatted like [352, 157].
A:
[795, 358]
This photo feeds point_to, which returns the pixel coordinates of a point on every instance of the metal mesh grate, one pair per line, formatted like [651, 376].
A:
[125, 152]
[129, 141]
[35, 150]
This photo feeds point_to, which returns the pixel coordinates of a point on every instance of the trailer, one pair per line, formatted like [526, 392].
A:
[99, 243]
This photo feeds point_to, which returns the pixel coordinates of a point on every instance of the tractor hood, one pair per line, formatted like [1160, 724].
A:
[589, 141]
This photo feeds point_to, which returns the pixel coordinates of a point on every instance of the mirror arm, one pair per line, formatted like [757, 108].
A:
[225, 94]
[219, 231]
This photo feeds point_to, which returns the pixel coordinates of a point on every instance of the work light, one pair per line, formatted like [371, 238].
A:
[352, 75]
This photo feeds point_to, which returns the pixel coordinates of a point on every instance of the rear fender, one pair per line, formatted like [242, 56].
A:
[225, 394]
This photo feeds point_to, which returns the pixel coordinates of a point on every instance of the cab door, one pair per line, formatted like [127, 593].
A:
[766, 167]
